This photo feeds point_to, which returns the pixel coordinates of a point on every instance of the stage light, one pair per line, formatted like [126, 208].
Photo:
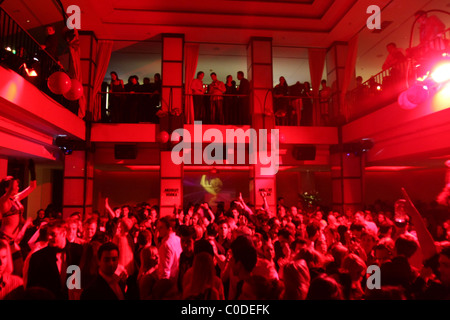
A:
[441, 73]
[425, 77]
[30, 72]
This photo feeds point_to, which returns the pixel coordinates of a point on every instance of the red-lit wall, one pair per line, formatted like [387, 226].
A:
[125, 188]
[423, 185]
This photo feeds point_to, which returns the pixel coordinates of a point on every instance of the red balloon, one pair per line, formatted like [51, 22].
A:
[59, 82]
[404, 102]
[163, 136]
[75, 92]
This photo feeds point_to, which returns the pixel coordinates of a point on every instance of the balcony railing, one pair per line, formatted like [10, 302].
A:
[287, 110]
[20, 52]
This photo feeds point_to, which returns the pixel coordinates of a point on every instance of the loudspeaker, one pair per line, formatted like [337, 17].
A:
[304, 152]
[125, 151]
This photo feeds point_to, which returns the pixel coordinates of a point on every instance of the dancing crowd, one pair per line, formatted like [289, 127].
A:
[236, 253]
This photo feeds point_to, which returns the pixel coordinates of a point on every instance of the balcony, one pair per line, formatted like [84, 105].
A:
[21, 53]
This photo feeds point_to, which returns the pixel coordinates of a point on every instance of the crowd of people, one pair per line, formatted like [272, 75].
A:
[134, 102]
[218, 102]
[294, 105]
[221, 102]
[242, 252]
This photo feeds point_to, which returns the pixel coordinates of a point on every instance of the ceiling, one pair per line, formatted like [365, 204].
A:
[223, 31]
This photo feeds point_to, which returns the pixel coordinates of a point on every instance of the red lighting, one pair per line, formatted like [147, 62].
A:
[390, 168]
[441, 73]
[143, 168]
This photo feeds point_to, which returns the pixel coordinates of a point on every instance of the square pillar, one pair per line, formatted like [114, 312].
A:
[260, 75]
[266, 183]
[171, 182]
[336, 60]
[172, 74]
[347, 178]
[78, 183]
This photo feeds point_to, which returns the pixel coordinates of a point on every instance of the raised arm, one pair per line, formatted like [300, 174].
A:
[31, 167]
[21, 234]
[265, 204]
[244, 205]
[4, 198]
[108, 209]
[206, 207]
[425, 239]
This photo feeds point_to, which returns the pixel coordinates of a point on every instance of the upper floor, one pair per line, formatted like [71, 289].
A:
[33, 117]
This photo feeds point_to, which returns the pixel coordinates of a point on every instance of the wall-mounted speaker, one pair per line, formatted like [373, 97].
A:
[304, 152]
[125, 151]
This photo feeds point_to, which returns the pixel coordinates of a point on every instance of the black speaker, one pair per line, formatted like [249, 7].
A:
[125, 151]
[304, 152]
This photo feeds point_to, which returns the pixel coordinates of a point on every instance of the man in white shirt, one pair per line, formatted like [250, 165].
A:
[216, 89]
[169, 249]
[198, 96]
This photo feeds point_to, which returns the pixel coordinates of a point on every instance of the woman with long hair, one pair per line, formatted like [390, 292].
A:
[116, 101]
[123, 240]
[11, 213]
[204, 283]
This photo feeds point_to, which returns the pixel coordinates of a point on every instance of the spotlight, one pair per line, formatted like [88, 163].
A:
[68, 145]
[441, 73]
[30, 72]
[66, 150]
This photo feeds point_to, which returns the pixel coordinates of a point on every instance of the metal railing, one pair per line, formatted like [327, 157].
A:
[229, 109]
[20, 52]
[379, 91]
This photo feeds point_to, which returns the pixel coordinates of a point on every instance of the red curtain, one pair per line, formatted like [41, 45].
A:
[316, 64]
[190, 66]
[104, 49]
